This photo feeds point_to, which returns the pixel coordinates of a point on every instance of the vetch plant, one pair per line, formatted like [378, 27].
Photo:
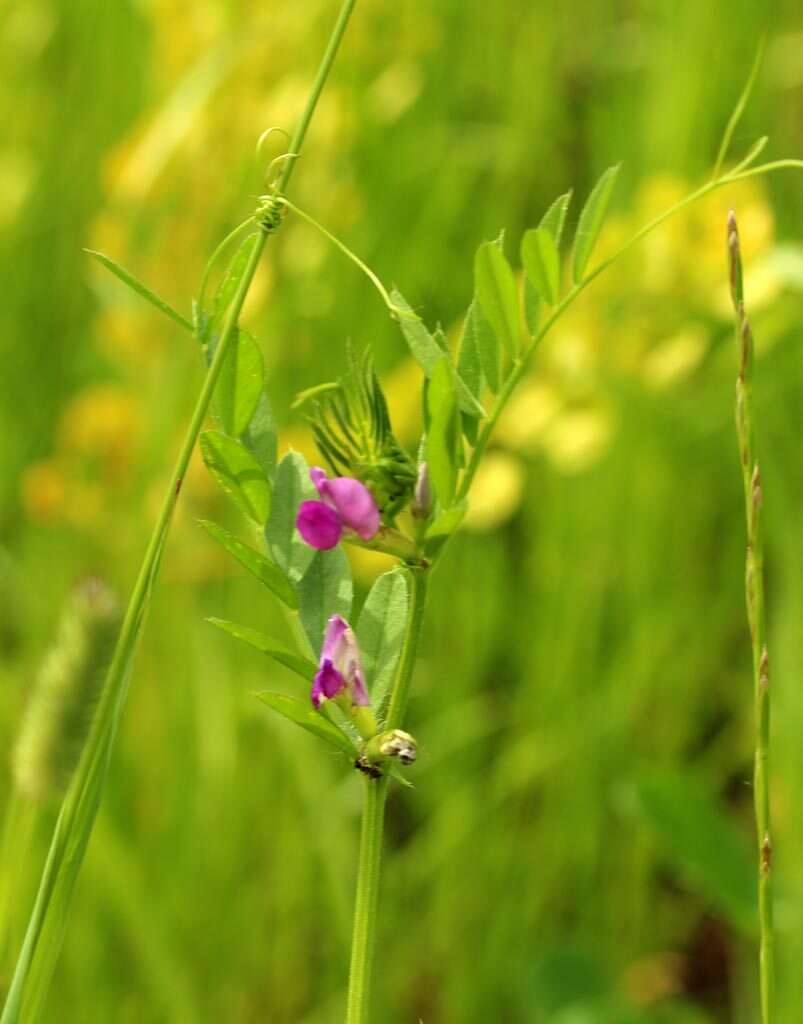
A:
[356, 666]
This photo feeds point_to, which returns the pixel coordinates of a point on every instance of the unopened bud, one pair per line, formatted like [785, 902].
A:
[422, 497]
[393, 745]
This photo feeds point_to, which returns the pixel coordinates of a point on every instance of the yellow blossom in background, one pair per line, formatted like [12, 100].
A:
[43, 491]
[496, 491]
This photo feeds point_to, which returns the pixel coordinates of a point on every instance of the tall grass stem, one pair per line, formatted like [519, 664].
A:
[79, 808]
[756, 614]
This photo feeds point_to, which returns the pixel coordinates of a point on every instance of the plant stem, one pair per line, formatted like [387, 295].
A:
[363, 939]
[754, 592]
[373, 818]
[82, 800]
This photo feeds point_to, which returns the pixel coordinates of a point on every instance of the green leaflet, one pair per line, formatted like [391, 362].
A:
[325, 589]
[380, 633]
[555, 217]
[428, 350]
[531, 301]
[268, 645]
[486, 343]
[260, 436]
[706, 847]
[447, 522]
[141, 289]
[495, 288]
[267, 572]
[443, 434]
[541, 260]
[590, 222]
[238, 473]
[292, 486]
[230, 282]
[239, 385]
[303, 714]
[469, 365]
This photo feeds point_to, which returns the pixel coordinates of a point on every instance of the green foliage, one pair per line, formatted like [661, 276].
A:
[541, 260]
[303, 714]
[380, 631]
[443, 434]
[702, 842]
[266, 571]
[238, 473]
[590, 223]
[269, 645]
[141, 289]
[497, 294]
[239, 387]
[429, 352]
[260, 436]
[324, 590]
[293, 485]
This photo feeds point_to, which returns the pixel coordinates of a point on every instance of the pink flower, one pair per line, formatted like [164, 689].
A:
[346, 504]
[340, 668]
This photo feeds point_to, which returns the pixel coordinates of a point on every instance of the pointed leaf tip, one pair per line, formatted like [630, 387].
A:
[590, 223]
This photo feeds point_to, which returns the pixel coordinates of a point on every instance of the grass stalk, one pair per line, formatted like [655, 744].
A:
[79, 809]
[754, 593]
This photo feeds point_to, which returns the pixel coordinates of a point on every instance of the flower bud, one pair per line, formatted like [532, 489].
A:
[393, 745]
[421, 506]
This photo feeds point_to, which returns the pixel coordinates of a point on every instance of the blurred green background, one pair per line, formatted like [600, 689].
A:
[577, 848]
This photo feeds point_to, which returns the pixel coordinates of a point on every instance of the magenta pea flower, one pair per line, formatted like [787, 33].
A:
[346, 504]
[340, 671]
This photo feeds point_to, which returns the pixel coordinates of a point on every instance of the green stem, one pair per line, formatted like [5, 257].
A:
[315, 94]
[754, 593]
[370, 860]
[365, 906]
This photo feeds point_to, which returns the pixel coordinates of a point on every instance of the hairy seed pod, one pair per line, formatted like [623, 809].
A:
[63, 695]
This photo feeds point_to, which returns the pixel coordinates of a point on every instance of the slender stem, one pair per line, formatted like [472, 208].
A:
[365, 907]
[399, 697]
[754, 592]
[317, 88]
[368, 868]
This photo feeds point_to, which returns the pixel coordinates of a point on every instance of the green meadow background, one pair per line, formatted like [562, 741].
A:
[578, 845]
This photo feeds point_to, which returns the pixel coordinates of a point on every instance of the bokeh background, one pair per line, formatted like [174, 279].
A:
[577, 849]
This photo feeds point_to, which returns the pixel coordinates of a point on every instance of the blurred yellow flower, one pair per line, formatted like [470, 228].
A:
[577, 438]
[496, 492]
[43, 491]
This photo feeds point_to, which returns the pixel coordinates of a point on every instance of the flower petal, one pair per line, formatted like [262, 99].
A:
[355, 504]
[335, 628]
[319, 525]
[328, 683]
[319, 477]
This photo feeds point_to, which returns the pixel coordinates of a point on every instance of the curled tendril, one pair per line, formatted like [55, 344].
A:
[270, 212]
[277, 161]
